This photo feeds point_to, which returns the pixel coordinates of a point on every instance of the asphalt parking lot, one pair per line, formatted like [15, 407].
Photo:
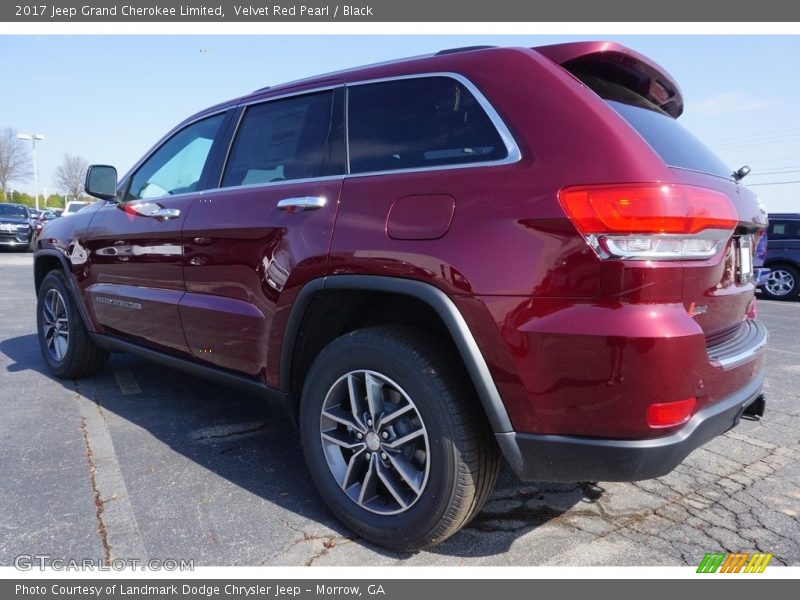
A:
[144, 462]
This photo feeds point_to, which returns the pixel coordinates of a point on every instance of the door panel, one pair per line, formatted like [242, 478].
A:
[244, 258]
[250, 244]
[135, 249]
[137, 272]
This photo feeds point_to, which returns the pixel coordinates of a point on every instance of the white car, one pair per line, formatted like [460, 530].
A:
[73, 207]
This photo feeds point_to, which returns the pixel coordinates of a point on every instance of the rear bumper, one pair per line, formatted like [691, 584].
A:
[535, 457]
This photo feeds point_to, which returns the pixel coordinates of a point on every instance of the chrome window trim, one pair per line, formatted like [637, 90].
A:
[513, 151]
[512, 148]
[268, 184]
[513, 155]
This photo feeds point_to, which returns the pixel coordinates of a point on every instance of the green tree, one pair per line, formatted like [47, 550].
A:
[55, 201]
[18, 197]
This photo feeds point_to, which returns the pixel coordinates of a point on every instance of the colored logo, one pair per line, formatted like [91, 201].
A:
[741, 562]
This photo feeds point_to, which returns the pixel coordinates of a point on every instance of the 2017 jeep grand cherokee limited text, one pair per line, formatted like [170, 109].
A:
[434, 262]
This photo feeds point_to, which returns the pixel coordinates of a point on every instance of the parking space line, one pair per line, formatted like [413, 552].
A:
[116, 520]
[126, 381]
[782, 351]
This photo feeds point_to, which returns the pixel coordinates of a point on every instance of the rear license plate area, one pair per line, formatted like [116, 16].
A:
[744, 258]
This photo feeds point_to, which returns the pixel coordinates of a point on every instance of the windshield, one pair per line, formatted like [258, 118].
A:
[12, 211]
[73, 208]
[675, 144]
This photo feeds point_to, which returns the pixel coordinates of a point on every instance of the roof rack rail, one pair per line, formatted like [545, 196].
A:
[462, 49]
[264, 89]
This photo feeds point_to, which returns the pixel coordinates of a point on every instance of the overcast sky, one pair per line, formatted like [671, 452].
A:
[109, 98]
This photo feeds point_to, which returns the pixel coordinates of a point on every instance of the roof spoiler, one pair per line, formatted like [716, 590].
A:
[614, 62]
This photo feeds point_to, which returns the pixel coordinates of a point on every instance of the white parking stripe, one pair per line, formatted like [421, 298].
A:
[126, 381]
[116, 520]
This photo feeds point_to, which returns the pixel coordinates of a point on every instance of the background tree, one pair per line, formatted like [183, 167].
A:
[70, 175]
[15, 159]
[54, 201]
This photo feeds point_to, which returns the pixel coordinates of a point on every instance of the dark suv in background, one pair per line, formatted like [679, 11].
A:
[433, 263]
[783, 257]
[16, 226]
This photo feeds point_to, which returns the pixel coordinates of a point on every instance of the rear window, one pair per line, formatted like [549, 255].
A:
[676, 146]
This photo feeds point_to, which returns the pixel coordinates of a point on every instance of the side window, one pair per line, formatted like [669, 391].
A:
[286, 139]
[783, 230]
[176, 167]
[418, 122]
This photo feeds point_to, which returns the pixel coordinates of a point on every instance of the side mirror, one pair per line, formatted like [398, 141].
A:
[101, 182]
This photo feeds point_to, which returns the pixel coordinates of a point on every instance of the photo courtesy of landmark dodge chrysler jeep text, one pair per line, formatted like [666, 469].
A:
[434, 263]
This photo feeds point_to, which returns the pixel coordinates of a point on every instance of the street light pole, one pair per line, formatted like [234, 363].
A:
[33, 139]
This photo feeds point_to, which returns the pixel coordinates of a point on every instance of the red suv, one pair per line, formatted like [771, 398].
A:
[432, 263]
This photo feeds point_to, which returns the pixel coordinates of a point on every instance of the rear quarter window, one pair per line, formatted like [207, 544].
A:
[416, 123]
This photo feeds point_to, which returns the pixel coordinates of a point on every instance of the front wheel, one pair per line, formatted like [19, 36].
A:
[394, 437]
[782, 283]
[66, 346]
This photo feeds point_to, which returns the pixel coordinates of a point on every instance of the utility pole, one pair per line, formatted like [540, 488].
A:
[33, 139]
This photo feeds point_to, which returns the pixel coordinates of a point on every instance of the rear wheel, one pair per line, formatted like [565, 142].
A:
[783, 283]
[394, 438]
[65, 343]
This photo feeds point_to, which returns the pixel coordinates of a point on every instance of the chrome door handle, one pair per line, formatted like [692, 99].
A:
[165, 214]
[302, 203]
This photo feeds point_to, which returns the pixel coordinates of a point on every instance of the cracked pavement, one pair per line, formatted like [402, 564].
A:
[144, 462]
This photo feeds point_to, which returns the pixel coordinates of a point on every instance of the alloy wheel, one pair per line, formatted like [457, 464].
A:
[55, 325]
[780, 282]
[375, 442]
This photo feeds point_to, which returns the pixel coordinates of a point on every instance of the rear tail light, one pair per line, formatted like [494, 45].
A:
[670, 414]
[651, 221]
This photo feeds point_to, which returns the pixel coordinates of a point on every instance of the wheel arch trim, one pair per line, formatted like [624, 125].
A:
[73, 288]
[436, 299]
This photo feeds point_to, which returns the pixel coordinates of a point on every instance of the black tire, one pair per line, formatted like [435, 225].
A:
[460, 453]
[79, 356]
[783, 283]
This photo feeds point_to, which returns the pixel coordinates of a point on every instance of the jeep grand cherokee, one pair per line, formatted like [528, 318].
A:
[434, 263]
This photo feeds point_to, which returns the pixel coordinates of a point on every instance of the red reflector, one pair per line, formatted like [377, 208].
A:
[669, 414]
[752, 310]
[647, 208]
